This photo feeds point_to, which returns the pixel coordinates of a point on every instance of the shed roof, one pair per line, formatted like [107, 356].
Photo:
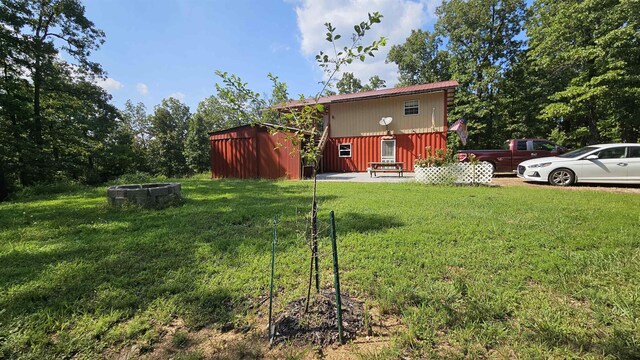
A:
[373, 94]
[262, 125]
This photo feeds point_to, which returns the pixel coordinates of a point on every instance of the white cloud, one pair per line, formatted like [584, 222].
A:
[142, 88]
[399, 18]
[178, 95]
[109, 84]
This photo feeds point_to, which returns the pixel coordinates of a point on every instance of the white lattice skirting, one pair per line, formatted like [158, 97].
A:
[460, 173]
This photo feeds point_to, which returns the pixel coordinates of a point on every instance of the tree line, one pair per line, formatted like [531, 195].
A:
[565, 70]
[56, 123]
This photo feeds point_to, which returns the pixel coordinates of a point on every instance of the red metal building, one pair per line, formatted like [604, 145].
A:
[253, 152]
[356, 137]
[353, 135]
[418, 118]
[365, 149]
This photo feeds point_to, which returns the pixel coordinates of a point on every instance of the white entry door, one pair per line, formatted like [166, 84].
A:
[388, 150]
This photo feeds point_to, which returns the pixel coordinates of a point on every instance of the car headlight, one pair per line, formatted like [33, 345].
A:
[541, 165]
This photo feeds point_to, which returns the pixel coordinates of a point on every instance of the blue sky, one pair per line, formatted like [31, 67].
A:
[162, 48]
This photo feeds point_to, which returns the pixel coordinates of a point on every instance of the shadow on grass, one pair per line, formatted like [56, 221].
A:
[365, 223]
[621, 344]
[67, 255]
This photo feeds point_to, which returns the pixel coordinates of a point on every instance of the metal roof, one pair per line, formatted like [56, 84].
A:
[262, 125]
[374, 94]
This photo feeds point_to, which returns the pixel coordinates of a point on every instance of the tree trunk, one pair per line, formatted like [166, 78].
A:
[313, 242]
[593, 125]
[314, 229]
[35, 160]
[37, 120]
[4, 187]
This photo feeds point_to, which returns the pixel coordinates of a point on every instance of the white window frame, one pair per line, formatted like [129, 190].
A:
[416, 106]
[341, 150]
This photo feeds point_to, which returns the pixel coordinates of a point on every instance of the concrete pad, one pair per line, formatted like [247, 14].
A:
[364, 177]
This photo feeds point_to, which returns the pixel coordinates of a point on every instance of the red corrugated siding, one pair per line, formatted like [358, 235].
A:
[283, 162]
[235, 157]
[365, 149]
[249, 152]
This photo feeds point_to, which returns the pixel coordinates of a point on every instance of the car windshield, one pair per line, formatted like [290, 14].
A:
[578, 152]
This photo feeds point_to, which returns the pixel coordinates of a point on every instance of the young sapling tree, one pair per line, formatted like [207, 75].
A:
[305, 115]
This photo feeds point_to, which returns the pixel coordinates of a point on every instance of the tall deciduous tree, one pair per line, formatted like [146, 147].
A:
[15, 107]
[483, 39]
[33, 34]
[590, 51]
[348, 84]
[525, 90]
[42, 23]
[169, 124]
[138, 125]
[375, 83]
[420, 59]
[216, 115]
[196, 149]
[83, 130]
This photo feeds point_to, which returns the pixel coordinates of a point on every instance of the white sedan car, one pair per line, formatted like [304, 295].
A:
[604, 163]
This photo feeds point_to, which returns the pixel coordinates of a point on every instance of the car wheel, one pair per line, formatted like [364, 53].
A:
[561, 177]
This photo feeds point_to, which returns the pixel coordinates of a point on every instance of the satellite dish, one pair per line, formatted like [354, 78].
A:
[386, 121]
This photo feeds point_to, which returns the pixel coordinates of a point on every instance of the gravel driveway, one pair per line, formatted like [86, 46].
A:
[511, 180]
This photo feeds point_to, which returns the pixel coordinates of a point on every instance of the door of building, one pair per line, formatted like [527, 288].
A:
[388, 150]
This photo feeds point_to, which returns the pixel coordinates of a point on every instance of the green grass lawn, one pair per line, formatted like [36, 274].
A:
[471, 271]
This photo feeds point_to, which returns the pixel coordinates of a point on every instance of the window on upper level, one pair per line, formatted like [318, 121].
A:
[411, 107]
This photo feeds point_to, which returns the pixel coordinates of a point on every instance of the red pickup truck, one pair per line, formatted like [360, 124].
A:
[513, 153]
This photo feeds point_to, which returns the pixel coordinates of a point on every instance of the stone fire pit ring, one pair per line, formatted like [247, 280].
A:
[145, 195]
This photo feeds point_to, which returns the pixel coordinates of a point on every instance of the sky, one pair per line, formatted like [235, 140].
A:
[155, 49]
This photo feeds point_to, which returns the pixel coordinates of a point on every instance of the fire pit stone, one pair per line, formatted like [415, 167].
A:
[145, 195]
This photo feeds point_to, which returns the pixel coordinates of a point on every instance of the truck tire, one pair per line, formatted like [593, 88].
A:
[493, 169]
[562, 177]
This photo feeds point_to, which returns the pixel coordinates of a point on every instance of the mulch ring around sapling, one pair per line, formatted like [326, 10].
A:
[318, 326]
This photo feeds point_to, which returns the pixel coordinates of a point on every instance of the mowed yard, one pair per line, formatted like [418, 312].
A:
[470, 271]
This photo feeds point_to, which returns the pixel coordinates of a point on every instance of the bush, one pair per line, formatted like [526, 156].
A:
[56, 187]
[138, 178]
[438, 158]
[201, 176]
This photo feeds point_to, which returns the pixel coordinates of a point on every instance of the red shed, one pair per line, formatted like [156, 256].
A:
[252, 152]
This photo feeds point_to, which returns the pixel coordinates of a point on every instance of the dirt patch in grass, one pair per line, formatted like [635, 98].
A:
[561, 299]
[308, 336]
[177, 341]
[319, 325]
[452, 272]
[373, 341]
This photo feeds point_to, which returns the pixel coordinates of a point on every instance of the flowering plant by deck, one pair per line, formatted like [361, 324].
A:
[442, 167]
[439, 157]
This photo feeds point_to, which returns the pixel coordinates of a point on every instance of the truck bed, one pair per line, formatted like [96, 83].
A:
[483, 151]
[506, 160]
